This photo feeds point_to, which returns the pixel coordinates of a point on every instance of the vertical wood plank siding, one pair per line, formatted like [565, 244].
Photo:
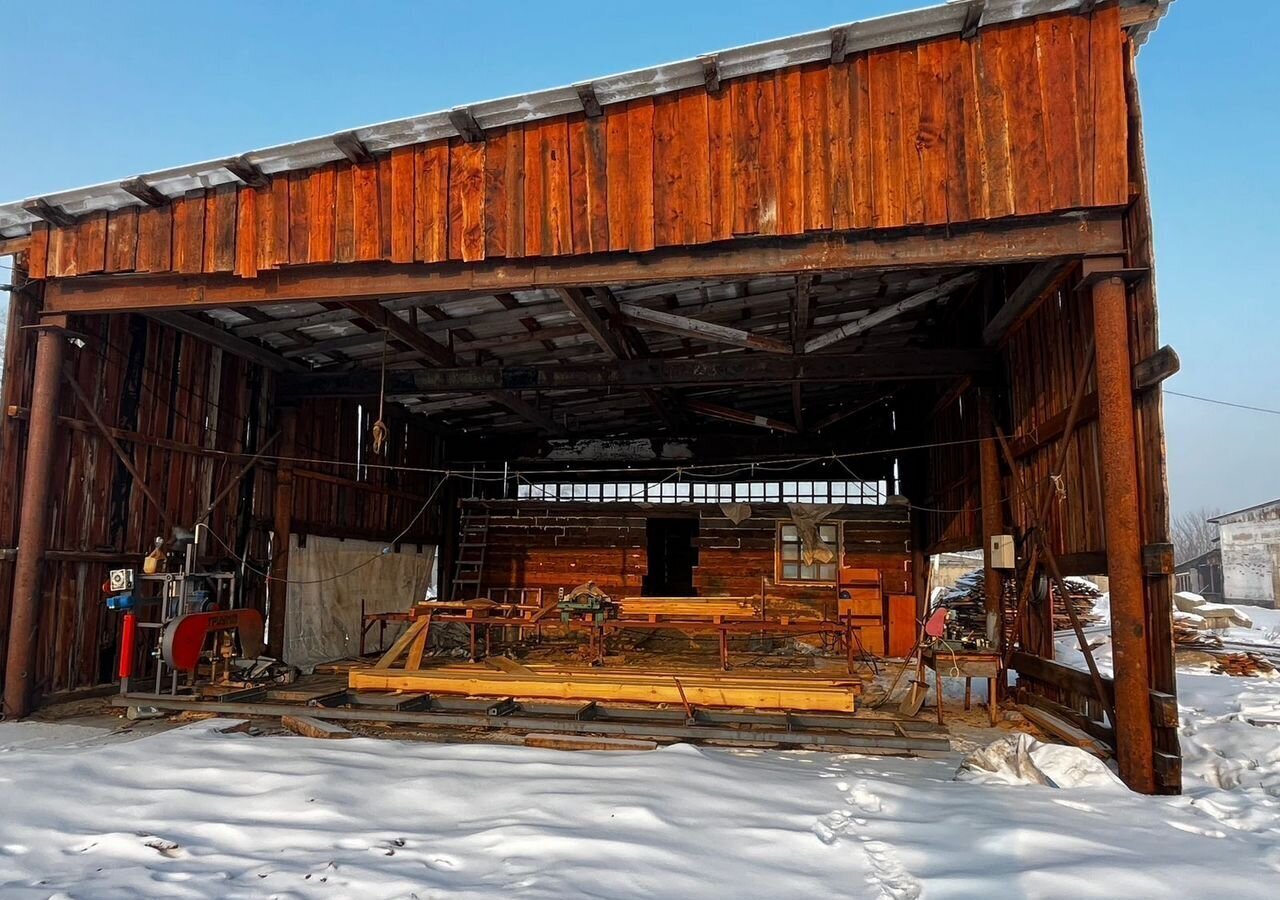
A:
[1027, 118]
[185, 412]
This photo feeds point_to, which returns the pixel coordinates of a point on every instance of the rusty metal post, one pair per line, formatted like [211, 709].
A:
[1135, 738]
[992, 496]
[278, 586]
[33, 523]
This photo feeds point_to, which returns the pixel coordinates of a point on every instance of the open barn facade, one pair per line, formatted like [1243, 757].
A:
[885, 290]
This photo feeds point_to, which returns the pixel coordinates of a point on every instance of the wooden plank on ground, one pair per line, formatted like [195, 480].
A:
[586, 742]
[508, 665]
[763, 693]
[309, 726]
[1065, 731]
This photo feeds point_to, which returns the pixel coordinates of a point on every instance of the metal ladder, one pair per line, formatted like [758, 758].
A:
[468, 567]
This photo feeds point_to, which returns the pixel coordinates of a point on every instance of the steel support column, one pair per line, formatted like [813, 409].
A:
[33, 524]
[1134, 736]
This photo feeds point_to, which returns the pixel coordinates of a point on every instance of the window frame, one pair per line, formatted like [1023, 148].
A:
[779, 562]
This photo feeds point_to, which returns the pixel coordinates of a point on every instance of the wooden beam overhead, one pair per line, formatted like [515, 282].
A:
[246, 171]
[438, 354]
[1023, 299]
[378, 315]
[729, 414]
[1019, 241]
[839, 415]
[700, 330]
[54, 215]
[731, 370]
[352, 147]
[801, 313]
[146, 193]
[893, 310]
[578, 304]
[220, 337]
[465, 122]
[590, 103]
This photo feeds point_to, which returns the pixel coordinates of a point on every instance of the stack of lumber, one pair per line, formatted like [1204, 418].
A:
[966, 601]
[620, 685]
[1189, 633]
[1242, 665]
[656, 609]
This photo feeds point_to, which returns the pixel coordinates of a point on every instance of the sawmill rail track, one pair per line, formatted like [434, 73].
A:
[725, 727]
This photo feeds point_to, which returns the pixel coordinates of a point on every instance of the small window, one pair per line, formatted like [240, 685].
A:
[791, 564]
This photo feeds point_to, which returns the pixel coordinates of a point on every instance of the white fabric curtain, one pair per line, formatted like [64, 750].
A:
[327, 580]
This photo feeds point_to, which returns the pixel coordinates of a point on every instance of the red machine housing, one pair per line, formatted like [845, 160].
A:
[184, 637]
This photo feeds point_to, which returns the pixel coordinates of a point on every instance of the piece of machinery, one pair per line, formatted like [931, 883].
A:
[587, 603]
[200, 635]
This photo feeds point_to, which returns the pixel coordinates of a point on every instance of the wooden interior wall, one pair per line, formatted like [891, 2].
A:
[342, 490]
[951, 511]
[1045, 357]
[1025, 118]
[557, 545]
[185, 412]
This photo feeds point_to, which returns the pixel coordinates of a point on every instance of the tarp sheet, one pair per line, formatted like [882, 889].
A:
[327, 580]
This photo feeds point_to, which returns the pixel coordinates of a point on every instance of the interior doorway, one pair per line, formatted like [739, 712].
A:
[672, 557]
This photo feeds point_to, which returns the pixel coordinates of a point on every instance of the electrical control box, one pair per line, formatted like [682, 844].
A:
[120, 580]
[1002, 551]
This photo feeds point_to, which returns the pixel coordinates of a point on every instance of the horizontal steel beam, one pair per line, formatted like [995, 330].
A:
[728, 370]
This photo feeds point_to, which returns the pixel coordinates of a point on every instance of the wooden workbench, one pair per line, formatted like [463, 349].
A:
[966, 664]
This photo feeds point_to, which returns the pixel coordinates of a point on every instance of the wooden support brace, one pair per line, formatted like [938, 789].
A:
[590, 103]
[711, 73]
[246, 171]
[42, 209]
[144, 192]
[465, 122]
[352, 147]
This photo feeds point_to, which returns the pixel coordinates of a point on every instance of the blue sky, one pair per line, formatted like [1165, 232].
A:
[98, 91]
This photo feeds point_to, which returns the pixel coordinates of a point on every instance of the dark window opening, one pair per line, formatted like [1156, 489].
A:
[672, 557]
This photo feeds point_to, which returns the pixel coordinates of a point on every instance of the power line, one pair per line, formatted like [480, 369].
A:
[1261, 409]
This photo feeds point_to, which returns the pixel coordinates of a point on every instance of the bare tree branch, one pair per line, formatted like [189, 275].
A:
[1193, 533]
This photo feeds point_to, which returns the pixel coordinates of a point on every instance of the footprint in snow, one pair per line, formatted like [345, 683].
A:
[887, 872]
[864, 799]
[167, 849]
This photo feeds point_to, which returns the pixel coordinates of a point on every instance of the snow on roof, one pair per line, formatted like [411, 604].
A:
[1227, 517]
[952, 17]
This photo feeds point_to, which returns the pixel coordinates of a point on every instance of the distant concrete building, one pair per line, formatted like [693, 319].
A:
[1249, 540]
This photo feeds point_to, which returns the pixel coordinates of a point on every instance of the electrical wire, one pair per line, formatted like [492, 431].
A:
[1261, 409]
[385, 550]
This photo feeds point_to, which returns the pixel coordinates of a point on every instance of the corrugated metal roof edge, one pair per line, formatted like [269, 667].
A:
[913, 25]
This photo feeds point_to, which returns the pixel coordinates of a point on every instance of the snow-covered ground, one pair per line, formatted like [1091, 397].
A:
[1230, 767]
[193, 812]
[197, 812]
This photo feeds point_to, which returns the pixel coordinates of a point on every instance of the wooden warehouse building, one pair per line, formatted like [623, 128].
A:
[901, 269]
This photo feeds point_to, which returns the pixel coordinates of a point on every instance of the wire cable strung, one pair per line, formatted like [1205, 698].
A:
[385, 550]
[1261, 409]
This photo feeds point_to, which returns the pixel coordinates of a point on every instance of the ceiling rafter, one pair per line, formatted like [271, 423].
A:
[884, 314]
